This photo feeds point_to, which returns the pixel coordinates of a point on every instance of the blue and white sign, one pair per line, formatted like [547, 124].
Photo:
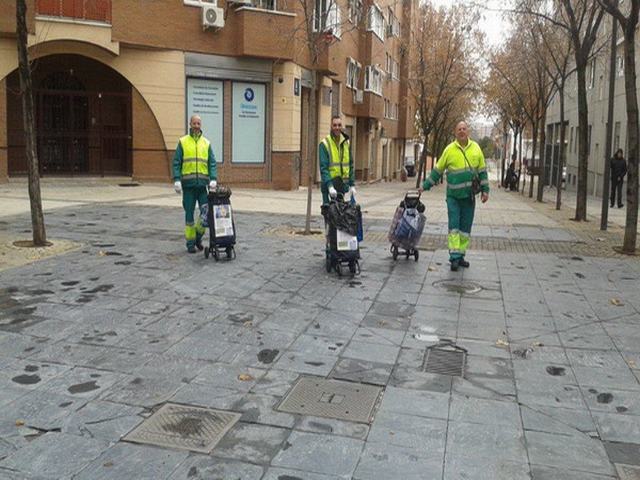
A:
[249, 122]
[206, 99]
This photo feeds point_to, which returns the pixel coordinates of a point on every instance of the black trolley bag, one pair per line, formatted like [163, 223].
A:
[222, 227]
[343, 216]
[407, 226]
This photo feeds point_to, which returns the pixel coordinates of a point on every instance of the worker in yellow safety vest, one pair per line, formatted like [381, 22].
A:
[336, 163]
[194, 169]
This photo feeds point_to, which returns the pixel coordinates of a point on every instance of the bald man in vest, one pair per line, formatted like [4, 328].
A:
[194, 168]
[336, 163]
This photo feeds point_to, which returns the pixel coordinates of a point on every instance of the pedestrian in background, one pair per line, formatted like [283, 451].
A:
[618, 171]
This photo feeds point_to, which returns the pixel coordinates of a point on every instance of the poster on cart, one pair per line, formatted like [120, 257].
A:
[223, 220]
[346, 242]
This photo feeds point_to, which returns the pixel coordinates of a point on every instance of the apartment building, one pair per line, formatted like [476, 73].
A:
[116, 81]
[597, 77]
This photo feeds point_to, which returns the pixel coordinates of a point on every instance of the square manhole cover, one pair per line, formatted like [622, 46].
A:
[445, 359]
[354, 402]
[184, 427]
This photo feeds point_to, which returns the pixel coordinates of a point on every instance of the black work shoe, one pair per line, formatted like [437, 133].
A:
[620, 206]
[611, 206]
[454, 265]
[463, 263]
[191, 249]
[199, 244]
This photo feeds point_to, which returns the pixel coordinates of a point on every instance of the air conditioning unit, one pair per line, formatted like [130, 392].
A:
[358, 96]
[212, 17]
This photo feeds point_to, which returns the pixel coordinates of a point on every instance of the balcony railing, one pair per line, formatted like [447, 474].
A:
[92, 10]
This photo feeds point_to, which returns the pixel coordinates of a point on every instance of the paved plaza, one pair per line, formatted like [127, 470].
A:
[95, 341]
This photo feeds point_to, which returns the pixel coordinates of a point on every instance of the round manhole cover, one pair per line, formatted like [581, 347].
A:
[457, 286]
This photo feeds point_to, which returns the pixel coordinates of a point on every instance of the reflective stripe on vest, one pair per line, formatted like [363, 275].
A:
[195, 157]
[338, 167]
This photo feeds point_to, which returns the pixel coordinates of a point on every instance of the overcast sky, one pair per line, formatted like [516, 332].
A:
[492, 23]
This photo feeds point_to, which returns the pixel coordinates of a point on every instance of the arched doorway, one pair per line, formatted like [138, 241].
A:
[83, 118]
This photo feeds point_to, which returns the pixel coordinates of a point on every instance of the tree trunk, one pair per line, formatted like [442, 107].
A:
[315, 97]
[524, 176]
[26, 90]
[423, 161]
[504, 156]
[631, 96]
[533, 156]
[583, 141]
[561, 153]
[606, 177]
[542, 171]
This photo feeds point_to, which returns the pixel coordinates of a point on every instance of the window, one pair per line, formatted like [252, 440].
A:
[353, 73]
[373, 79]
[393, 26]
[600, 87]
[396, 70]
[620, 65]
[265, 4]
[327, 17]
[592, 72]
[589, 140]
[355, 11]
[616, 136]
[376, 22]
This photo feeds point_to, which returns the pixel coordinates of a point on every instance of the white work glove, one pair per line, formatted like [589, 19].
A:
[352, 191]
[212, 185]
[177, 186]
[333, 193]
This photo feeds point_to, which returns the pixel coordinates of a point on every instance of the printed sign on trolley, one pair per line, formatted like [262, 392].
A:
[205, 98]
[248, 122]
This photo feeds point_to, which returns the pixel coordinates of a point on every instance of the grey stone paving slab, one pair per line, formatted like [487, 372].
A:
[82, 382]
[590, 337]
[361, 371]
[406, 377]
[477, 442]
[206, 395]
[489, 469]
[371, 352]
[69, 353]
[614, 427]
[120, 360]
[28, 375]
[414, 402]
[383, 462]
[229, 376]
[489, 366]
[132, 461]
[562, 421]
[539, 472]
[55, 455]
[604, 378]
[256, 408]
[275, 382]
[416, 433]
[40, 409]
[145, 391]
[332, 327]
[381, 336]
[484, 386]
[331, 426]
[288, 474]
[251, 443]
[317, 453]
[200, 347]
[624, 453]
[149, 341]
[22, 346]
[316, 344]
[484, 411]
[310, 364]
[578, 452]
[200, 467]
[102, 420]
[389, 322]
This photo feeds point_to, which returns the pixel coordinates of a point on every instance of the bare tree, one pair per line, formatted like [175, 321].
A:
[26, 88]
[629, 23]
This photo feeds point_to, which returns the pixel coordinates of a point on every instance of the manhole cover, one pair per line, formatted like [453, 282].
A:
[458, 286]
[187, 428]
[445, 359]
[332, 399]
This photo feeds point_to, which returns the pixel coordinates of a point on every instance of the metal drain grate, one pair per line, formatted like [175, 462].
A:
[445, 359]
[355, 402]
[184, 427]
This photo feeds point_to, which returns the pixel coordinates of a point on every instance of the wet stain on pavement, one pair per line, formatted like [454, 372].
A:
[70, 283]
[240, 317]
[101, 289]
[31, 368]
[579, 275]
[315, 364]
[289, 477]
[113, 254]
[26, 379]
[83, 387]
[267, 355]
[604, 398]
[124, 262]
[556, 371]
[321, 426]
[621, 409]
[193, 471]
[577, 259]
[65, 404]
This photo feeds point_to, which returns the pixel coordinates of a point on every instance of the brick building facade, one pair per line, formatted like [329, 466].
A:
[115, 82]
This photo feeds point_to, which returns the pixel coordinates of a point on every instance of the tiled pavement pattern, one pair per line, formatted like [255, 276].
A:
[94, 341]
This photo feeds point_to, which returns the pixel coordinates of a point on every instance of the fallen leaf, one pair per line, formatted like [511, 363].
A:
[432, 269]
[537, 344]
[248, 323]
[632, 363]
[19, 423]
[616, 302]
[245, 377]
[107, 464]
[101, 253]
[600, 239]
[502, 343]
